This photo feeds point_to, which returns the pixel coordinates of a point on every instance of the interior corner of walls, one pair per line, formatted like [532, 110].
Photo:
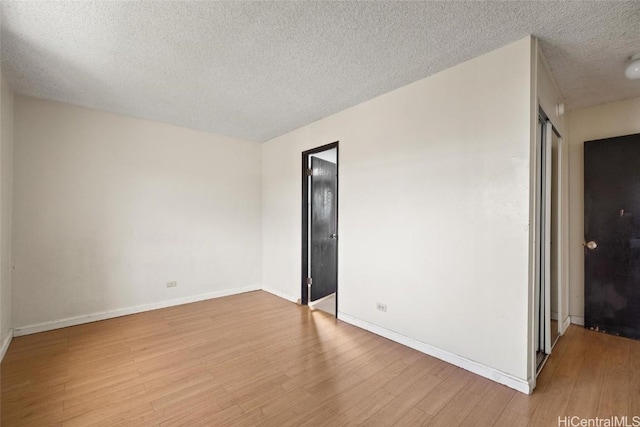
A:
[278, 293]
[577, 320]
[5, 344]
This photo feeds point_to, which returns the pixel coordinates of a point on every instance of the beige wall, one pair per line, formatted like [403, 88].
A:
[433, 211]
[109, 208]
[602, 121]
[6, 174]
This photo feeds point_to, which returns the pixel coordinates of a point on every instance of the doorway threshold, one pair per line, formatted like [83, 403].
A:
[326, 304]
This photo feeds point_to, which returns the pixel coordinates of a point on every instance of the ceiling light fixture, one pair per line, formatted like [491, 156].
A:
[633, 69]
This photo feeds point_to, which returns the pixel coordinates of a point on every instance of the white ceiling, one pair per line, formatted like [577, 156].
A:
[256, 70]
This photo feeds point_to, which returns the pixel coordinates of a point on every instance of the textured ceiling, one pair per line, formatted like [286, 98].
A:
[256, 70]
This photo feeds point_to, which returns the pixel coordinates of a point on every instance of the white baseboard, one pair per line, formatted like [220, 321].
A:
[518, 384]
[109, 314]
[566, 324]
[5, 344]
[281, 294]
[577, 320]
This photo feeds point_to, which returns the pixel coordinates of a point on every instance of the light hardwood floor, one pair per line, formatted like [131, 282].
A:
[256, 359]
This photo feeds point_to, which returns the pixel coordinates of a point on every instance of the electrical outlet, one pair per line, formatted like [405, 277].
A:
[172, 284]
[381, 307]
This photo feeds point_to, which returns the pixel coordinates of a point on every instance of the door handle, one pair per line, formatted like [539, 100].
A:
[591, 245]
[333, 236]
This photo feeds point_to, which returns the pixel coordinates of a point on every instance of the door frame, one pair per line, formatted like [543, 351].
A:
[561, 235]
[304, 289]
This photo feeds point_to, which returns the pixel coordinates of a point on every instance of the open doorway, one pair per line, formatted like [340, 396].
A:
[320, 228]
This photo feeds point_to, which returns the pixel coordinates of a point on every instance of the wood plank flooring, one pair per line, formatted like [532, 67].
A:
[255, 359]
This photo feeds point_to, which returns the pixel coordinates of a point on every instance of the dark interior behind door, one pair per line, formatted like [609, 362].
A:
[612, 227]
[323, 228]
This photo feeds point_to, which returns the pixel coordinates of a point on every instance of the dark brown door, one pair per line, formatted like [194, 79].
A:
[324, 238]
[612, 235]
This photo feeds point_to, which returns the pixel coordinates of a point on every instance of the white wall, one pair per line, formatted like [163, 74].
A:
[434, 209]
[602, 121]
[6, 173]
[109, 208]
